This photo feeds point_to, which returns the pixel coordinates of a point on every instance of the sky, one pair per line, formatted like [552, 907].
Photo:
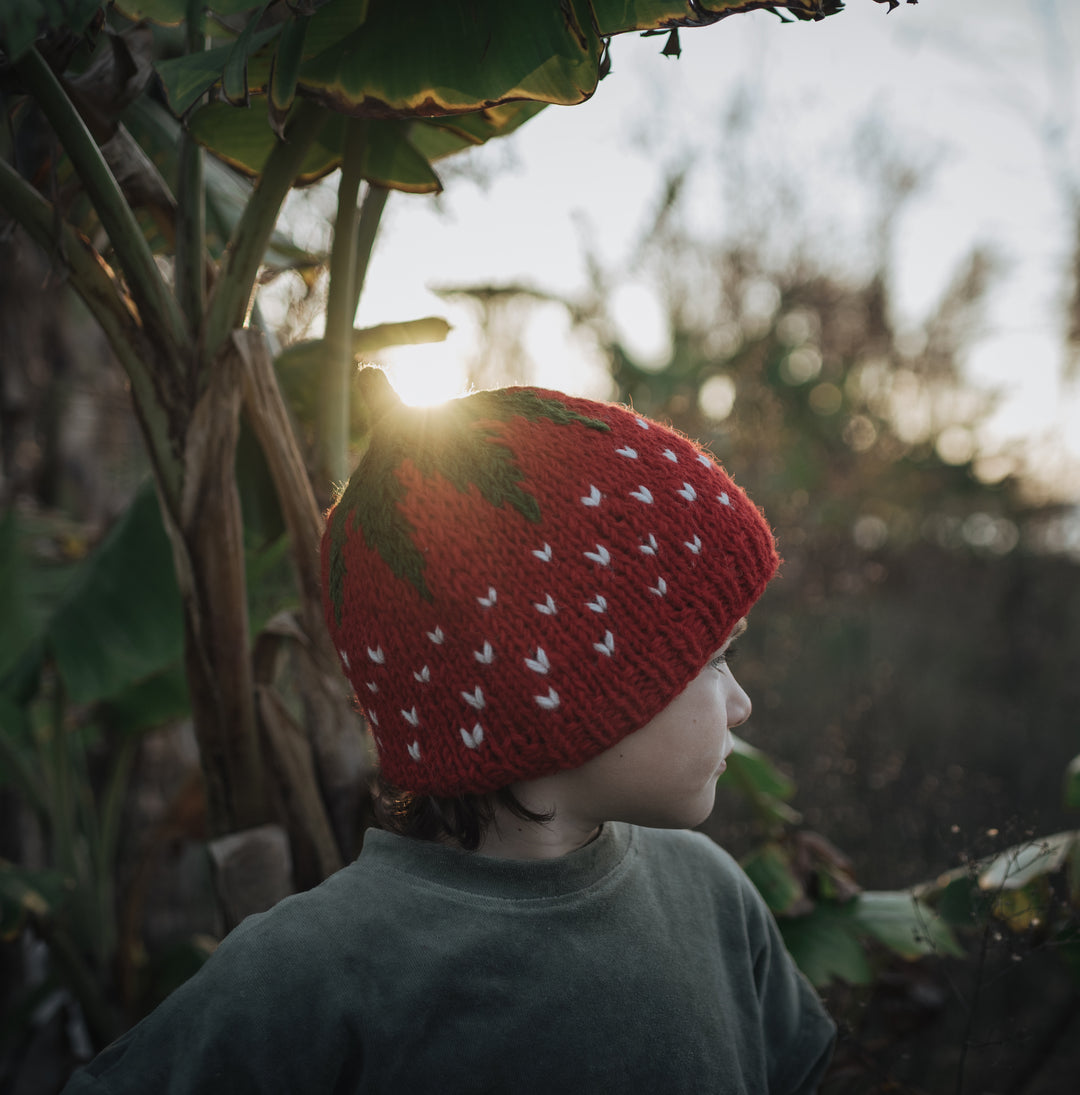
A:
[978, 93]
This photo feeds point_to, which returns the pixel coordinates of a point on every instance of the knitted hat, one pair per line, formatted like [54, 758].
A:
[518, 579]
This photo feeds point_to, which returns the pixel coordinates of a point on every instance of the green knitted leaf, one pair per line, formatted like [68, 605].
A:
[461, 442]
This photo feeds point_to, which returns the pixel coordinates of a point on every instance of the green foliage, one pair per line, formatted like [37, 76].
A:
[762, 783]
[22, 22]
[835, 941]
[377, 60]
[45, 753]
[26, 896]
[120, 620]
[826, 947]
[1030, 890]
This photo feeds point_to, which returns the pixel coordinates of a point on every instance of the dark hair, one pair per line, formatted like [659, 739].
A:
[462, 819]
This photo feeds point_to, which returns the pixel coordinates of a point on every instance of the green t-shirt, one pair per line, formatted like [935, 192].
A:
[643, 962]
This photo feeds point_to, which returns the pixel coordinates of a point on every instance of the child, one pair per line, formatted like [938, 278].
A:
[533, 596]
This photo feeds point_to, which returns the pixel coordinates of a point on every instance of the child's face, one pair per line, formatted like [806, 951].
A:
[664, 775]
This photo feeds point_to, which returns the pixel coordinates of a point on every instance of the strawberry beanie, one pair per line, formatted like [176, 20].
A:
[518, 579]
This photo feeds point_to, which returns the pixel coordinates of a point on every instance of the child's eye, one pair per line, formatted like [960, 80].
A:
[721, 660]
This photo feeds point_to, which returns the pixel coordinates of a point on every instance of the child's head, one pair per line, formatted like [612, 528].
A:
[518, 580]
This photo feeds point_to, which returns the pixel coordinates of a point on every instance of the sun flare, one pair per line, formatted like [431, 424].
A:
[424, 376]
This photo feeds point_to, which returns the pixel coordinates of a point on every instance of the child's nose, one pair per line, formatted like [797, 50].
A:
[738, 707]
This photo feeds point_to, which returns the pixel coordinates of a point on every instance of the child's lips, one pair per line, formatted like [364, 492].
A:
[723, 760]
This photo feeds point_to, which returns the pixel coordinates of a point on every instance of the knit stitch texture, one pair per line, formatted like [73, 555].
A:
[518, 579]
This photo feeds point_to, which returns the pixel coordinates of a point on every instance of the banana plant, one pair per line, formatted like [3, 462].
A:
[115, 186]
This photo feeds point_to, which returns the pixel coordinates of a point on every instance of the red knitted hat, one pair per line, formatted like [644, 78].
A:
[518, 579]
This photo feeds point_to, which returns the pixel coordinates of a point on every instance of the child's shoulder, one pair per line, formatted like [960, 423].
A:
[703, 873]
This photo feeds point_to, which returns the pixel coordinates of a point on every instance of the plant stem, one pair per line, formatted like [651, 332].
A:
[158, 309]
[371, 211]
[232, 293]
[93, 281]
[332, 425]
[191, 204]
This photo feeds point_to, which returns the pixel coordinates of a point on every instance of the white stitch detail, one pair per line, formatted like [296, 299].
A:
[540, 663]
[490, 599]
[436, 636]
[548, 702]
[474, 739]
[474, 699]
[629, 453]
[372, 686]
[695, 546]
[687, 492]
[660, 589]
[642, 494]
[345, 659]
[601, 555]
[485, 656]
[414, 750]
[607, 646]
[424, 675]
[376, 655]
[372, 717]
[598, 604]
[671, 456]
[723, 499]
[548, 607]
[411, 717]
[703, 459]
[651, 547]
[592, 498]
[544, 555]
[642, 423]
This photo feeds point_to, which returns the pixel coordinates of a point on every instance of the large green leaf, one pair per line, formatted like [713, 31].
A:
[904, 924]
[150, 702]
[825, 946]
[428, 58]
[121, 620]
[754, 775]
[439, 137]
[1017, 866]
[391, 160]
[769, 868]
[759, 770]
[242, 137]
